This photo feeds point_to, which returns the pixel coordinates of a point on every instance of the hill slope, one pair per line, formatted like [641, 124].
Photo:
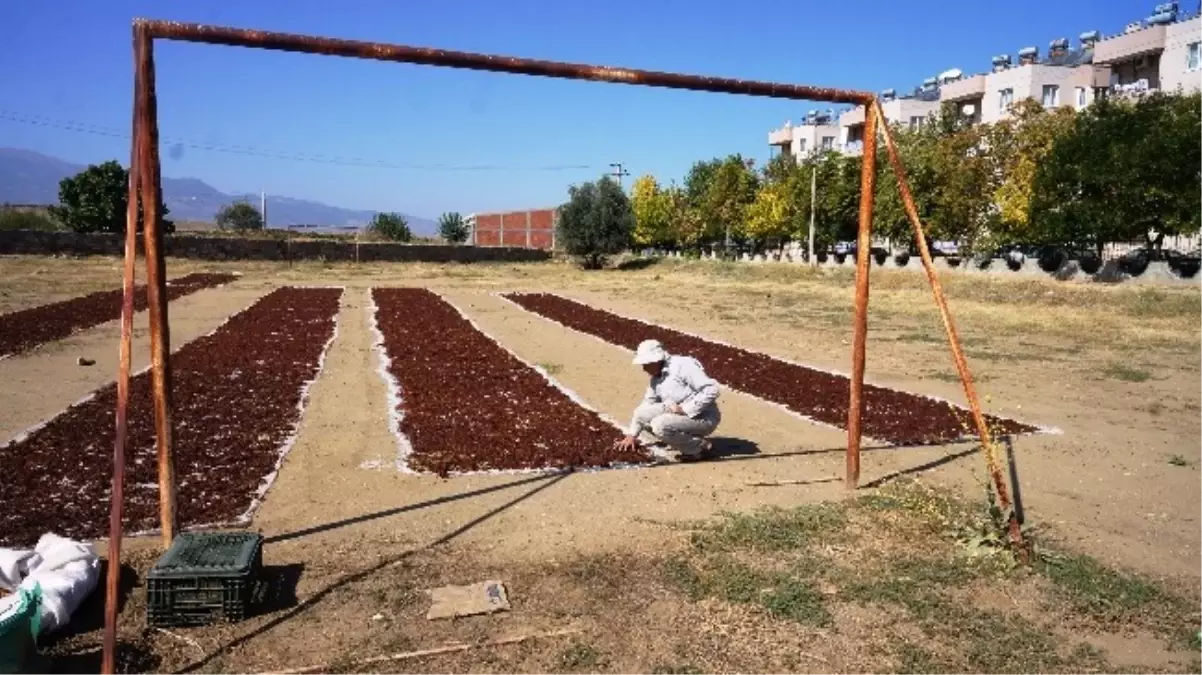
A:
[28, 177]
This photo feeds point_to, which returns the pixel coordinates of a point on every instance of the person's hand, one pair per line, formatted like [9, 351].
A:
[627, 444]
[675, 409]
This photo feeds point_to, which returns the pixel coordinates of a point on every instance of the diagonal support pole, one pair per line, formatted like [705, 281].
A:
[117, 496]
[949, 326]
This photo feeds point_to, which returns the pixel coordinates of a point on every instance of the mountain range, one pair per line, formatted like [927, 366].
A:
[28, 177]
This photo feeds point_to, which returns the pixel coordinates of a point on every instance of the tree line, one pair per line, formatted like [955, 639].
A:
[1124, 170]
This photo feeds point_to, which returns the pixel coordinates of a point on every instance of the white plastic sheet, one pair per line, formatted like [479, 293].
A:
[67, 571]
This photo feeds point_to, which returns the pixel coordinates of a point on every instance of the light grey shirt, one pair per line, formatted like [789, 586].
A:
[683, 381]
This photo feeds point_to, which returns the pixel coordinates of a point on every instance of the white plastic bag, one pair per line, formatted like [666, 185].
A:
[67, 571]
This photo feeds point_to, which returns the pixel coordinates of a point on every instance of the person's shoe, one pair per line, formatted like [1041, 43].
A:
[707, 452]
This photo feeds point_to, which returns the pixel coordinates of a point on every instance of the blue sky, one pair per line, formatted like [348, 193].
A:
[70, 62]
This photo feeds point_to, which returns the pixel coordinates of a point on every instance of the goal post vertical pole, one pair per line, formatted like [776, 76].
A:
[855, 409]
[156, 292]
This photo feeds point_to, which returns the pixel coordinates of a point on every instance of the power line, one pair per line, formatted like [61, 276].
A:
[81, 127]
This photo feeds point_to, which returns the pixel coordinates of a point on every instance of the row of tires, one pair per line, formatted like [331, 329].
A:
[1050, 261]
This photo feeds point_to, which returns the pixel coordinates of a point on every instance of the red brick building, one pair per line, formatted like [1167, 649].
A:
[533, 228]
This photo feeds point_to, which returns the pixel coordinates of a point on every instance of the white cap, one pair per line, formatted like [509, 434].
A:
[649, 351]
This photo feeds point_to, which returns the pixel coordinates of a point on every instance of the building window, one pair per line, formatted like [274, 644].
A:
[828, 142]
[1192, 56]
[801, 146]
[1051, 96]
[1006, 99]
[916, 121]
[1080, 97]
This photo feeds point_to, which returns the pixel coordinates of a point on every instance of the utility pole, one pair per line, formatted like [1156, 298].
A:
[263, 206]
[618, 172]
[813, 201]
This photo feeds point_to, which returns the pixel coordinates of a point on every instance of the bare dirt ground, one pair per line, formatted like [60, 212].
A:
[620, 556]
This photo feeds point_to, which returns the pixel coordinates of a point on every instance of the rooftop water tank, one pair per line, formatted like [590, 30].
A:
[1165, 7]
[1028, 52]
[1162, 18]
[950, 75]
[1059, 43]
[1090, 36]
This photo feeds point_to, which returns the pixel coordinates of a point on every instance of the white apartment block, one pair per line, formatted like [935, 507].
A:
[1160, 53]
[816, 132]
[1065, 78]
[911, 111]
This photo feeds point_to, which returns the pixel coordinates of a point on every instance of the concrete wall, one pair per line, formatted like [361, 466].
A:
[1174, 70]
[1129, 45]
[901, 110]
[14, 242]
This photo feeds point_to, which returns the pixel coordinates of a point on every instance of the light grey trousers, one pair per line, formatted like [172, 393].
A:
[680, 432]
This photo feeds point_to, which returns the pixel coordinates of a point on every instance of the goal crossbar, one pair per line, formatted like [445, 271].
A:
[145, 189]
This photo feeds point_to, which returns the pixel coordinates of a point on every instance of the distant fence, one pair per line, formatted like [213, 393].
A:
[30, 242]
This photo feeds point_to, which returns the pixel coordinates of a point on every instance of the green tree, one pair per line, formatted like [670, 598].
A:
[452, 228]
[652, 213]
[838, 202]
[239, 215]
[770, 216]
[596, 222]
[962, 208]
[730, 191]
[1016, 148]
[918, 149]
[390, 226]
[1128, 171]
[95, 200]
[684, 220]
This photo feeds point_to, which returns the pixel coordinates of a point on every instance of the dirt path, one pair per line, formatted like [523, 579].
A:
[1101, 485]
[40, 383]
[325, 494]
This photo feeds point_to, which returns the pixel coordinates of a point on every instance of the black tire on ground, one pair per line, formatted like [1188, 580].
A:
[901, 259]
[1187, 268]
[1090, 264]
[1135, 265]
[1050, 259]
[880, 257]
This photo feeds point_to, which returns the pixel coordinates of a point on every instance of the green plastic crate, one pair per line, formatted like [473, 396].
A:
[204, 577]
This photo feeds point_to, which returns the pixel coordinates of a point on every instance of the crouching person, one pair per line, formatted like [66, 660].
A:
[680, 407]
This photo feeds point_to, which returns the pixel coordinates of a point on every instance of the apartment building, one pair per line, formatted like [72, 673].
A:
[1157, 53]
[817, 131]
[1160, 53]
[912, 110]
[1065, 78]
